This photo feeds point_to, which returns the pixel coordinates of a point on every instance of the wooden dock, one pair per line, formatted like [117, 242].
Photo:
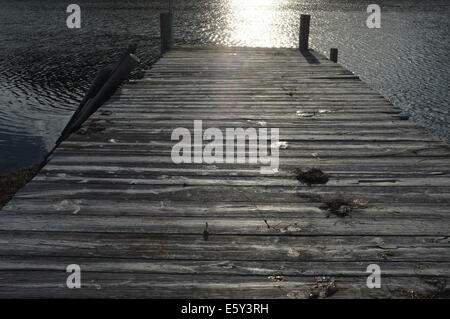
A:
[112, 201]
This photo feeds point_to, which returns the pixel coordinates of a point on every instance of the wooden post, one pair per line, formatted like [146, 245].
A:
[304, 32]
[108, 88]
[166, 31]
[334, 55]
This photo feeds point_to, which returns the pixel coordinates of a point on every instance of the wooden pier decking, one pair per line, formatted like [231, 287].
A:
[112, 201]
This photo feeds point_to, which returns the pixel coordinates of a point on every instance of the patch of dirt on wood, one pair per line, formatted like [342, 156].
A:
[385, 255]
[342, 207]
[323, 287]
[439, 290]
[313, 176]
[338, 206]
[276, 278]
[289, 228]
[12, 182]
[293, 253]
[94, 126]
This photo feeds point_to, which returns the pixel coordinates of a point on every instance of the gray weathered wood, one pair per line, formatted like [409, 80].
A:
[112, 200]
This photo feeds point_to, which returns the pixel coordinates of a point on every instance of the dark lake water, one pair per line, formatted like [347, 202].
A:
[46, 67]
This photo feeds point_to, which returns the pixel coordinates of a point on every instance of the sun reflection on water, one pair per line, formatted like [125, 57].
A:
[258, 23]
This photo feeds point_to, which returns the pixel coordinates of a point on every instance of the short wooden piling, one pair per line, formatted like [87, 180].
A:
[166, 31]
[334, 55]
[304, 32]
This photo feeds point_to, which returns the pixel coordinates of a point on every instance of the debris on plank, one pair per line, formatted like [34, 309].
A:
[280, 145]
[290, 228]
[385, 254]
[437, 290]
[276, 278]
[305, 114]
[313, 176]
[324, 287]
[342, 207]
[276, 228]
[338, 206]
[93, 127]
[360, 203]
[260, 123]
[302, 113]
[67, 205]
[294, 253]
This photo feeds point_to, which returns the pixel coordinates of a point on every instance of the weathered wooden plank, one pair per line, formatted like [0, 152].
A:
[305, 162]
[284, 133]
[226, 226]
[280, 269]
[112, 149]
[173, 246]
[401, 148]
[230, 210]
[338, 171]
[238, 181]
[416, 146]
[120, 285]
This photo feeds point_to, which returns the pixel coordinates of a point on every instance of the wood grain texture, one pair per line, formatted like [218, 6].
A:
[111, 200]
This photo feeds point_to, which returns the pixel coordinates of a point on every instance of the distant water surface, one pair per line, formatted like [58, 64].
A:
[46, 68]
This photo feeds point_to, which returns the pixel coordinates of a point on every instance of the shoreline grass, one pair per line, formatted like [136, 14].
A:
[12, 182]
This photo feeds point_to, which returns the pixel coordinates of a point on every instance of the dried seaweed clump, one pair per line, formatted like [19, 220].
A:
[313, 176]
[324, 287]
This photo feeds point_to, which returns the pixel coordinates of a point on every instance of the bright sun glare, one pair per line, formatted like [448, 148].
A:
[253, 22]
